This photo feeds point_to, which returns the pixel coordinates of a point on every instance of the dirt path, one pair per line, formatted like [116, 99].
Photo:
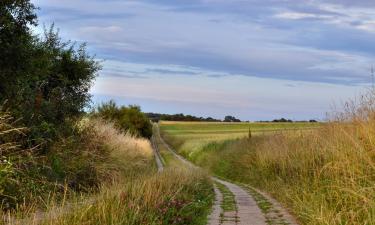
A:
[251, 207]
[158, 158]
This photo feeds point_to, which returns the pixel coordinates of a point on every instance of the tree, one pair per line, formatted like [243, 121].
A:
[44, 80]
[16, 16]
[231, 119]
[128, 119]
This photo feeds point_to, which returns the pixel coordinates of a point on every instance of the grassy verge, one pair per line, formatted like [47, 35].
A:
[325, 176]
[129, 189]
[171, 197]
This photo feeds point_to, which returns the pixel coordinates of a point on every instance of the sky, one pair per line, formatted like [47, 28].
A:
[253, 59]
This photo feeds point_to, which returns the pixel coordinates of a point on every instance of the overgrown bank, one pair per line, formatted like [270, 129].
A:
[325, 176]
[62, 165]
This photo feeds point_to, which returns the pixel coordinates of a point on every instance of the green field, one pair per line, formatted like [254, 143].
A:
[322, 173]
[191, 137]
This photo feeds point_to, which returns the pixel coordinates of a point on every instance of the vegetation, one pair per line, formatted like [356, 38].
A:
[60, 166]
[128, 119]
[171, 197]
[231, 119]
[44, 84]
[229, 201]
[190, 137]
[133, 193]
[156, 117]
[50, 79]
[325, 175]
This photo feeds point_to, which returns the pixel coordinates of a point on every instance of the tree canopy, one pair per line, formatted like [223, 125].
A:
[43, 80]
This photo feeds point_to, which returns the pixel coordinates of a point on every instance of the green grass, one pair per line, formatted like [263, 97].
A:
[325, 176]
[190, 137]
[273, 215]
[229, 203]
[132, 191]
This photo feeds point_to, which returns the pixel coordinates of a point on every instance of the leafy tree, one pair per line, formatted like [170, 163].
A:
[129, 119]
[231, 119]
[44, 83]
[15, 45]
[178, 117]
[282, 120]
[44, 80]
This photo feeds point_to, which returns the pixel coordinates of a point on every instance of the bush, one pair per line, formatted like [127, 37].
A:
[44, 80]
[129, 119]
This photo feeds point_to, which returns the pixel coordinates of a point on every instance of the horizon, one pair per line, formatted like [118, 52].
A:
[255, 60]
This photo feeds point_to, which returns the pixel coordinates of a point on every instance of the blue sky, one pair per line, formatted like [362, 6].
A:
[254, 59]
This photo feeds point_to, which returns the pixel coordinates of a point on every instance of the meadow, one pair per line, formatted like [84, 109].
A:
[324, 176]
[191, 137]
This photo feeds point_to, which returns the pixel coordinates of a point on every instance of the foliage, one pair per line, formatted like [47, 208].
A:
[155, 117]
[231, 119]
[128, 119]
[325, 175]
[44, 83]
[282, 120]
[171, 197]
[44, 80]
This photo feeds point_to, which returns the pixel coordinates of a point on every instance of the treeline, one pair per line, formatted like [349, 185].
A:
[155, 117]
[283, 120]
[178, 117]
[45, 145]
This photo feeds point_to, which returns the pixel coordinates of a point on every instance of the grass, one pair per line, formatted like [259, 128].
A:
[325, 176]
[171, 197]
[229, 202]
[131, 191]
[190, 137]
[272, 214]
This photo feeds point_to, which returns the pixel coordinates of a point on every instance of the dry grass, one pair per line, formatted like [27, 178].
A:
[105, 156]
[131, 192]
[128, 154]
[325, 176]
[165, 198]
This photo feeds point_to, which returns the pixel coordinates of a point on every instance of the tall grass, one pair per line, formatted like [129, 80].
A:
[325, 176]
[171, 197]
[130, 190]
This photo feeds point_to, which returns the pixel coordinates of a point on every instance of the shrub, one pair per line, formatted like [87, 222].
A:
[44, 80]
[129, 119]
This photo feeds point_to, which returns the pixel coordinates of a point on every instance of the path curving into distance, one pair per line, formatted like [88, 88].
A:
[234, 204]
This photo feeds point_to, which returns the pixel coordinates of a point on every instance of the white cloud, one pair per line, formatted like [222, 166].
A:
[299, 15]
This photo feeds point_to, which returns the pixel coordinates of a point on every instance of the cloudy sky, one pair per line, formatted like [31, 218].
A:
[254, 59]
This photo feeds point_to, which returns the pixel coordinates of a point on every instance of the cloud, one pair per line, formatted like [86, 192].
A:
[259, 58]
[300, 15]
[270, 39]
[246, 97]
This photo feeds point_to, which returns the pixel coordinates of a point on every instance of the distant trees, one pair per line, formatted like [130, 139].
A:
[178, 117]
[282, 120]
[231, 119]
[128, 119]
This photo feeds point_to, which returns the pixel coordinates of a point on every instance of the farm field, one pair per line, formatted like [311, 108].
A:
[190, 137]
[324, 175]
